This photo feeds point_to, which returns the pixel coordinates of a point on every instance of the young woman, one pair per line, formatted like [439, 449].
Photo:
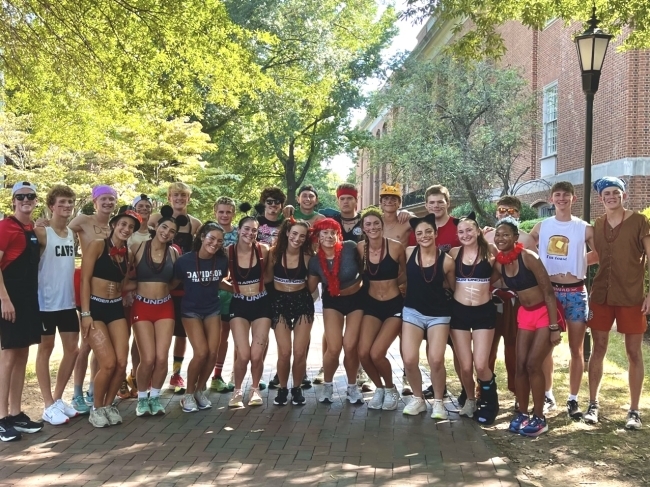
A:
[250, 309]
[473, 319]
[292, 305]
[426, 314]
[152, 313]
[336, 266]
[104, 267]
[383, 268]
[201, 271]
[538, 333]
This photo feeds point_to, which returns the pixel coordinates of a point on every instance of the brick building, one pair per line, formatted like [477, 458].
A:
[548, 60]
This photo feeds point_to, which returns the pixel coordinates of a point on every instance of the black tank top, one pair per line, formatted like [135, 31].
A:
[482, 271]
[524, 279]
[184, 241]
[297, 275]
[386, 270]
[244, 277]
[424, 287]
[162, 272]
[109, 269]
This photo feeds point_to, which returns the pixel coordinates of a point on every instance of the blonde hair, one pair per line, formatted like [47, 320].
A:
[179, 187]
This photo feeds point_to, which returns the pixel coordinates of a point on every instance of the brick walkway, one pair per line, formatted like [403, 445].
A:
[338, 444]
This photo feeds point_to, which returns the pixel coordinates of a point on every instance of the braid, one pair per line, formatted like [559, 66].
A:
[366, 252]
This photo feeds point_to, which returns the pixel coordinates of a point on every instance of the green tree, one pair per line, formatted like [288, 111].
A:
[618, 17]
[457, 124]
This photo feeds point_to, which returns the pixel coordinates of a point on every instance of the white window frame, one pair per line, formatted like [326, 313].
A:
[549, 120]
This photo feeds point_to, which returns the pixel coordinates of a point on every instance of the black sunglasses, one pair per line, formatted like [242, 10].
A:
[271, 202]
[29, 196]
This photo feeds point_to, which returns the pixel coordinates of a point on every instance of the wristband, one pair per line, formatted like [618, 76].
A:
[554, 328]
[85, 314]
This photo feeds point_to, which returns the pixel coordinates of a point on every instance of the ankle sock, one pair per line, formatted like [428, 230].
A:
[154, 392]
[573, 397]
[142, 395]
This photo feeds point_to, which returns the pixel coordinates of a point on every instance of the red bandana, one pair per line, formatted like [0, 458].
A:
[117, 251]
[509, 257]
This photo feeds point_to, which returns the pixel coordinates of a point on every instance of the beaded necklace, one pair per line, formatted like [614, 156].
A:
[422, 271]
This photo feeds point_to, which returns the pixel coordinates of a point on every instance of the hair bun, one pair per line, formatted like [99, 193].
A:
[167, 212]
[245, 207]
[260, 208]
[181, 220]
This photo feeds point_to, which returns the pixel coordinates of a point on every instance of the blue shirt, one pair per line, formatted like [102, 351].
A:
[201, 278]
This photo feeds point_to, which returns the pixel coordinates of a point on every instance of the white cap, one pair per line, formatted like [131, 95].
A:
[22, 185]
[140, 198]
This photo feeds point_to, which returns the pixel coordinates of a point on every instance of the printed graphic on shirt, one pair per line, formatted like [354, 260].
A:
[558, 245]
[64, 250]
[204, 276]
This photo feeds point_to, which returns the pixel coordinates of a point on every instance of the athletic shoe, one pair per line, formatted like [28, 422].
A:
[133, 384]
[177, 383]
[297, 398]
[368, 387]
[354, 395]
[391, 398]
[535, 427]
[202, 401]
[573, 410]
[518, 422]
[633, 421]
[406, 387]
[320, 377]
[462, 397]
[155, 407]
[66, 408]
[377, 400]
[275, 382]
[255, 399]
[326, 394]
[591, 416]
[219, 385]
[24, 424]
[262, 385]
[281, 397]
[237, 399]
[98, 418]
[143, 408]
[439, 410]
[306, 382]
[89, 398]
[113, 415]
[362, 377]
[53, 415]
[7, 431]
[80, 405]
[188, 404]
[124, 392]
[549, 404]
[468, 409]
[415, 406]
[428, 392]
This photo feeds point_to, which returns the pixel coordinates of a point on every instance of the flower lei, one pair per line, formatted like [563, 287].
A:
[332, 276]
[509, 257]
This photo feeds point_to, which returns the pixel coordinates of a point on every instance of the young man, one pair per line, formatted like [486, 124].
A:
[307, 200]
[20, 322]
[178, 196]
[56, 300]
[89, 228]
[390, 200]
[622, 242]
[438, 201]
[273, 200]
[349, 218]
[562, 249]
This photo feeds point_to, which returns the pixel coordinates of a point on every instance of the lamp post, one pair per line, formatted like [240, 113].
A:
[592, 47]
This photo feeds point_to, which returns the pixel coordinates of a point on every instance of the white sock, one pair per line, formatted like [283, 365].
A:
[549, 394]
[142, 395]
[327, 383]
[154, 392]
[573, 397]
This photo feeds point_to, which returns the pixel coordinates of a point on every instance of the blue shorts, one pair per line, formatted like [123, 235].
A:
[414, 317]
[574, 300]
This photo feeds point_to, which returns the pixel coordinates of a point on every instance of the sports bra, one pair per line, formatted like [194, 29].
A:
[253, 275]
[108, 269]
[283, 275]
[481, 273]
[386, 270]
[159, 272]
[524, 279]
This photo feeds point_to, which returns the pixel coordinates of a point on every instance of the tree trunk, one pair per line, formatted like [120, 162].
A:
[471, 194]
[290, 175]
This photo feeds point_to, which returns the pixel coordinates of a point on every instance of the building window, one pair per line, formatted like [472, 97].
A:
[546, 211]
[550, 120]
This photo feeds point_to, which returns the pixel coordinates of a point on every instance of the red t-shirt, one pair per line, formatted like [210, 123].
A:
[448, 235]
[12, 241]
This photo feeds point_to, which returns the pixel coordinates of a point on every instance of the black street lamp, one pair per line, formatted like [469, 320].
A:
[592, 47]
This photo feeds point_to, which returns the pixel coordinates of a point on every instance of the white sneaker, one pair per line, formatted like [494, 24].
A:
[354, 395]
[237, 399]
[53, 415]
[66, 408]
[377, 400]
[188, 404]
[320, 377]
[202, 402]
[98, 418]
[256, 398]
[439, 410]
[415, 406]
[469, 408]
[391, 398]
[326, 394]
[406, 387]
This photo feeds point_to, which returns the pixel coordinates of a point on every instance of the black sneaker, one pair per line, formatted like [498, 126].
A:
[573, 410]
[428, 392]
[281, 397]
[23, 424]
[306, 382]
[591, 416]
[7, 431]
[462, 397]
[297, 399]
[275, 382]
[549, 404]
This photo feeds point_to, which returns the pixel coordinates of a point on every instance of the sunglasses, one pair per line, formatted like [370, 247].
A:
[21, 197]
[509, 211]
[272, 202]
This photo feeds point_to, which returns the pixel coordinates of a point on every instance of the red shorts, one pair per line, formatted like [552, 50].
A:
[152, 310]
[536, 317]
[77, 286]
[629, 319]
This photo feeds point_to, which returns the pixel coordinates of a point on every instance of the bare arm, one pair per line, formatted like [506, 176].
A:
[8, 310]
[450, 271]
[534, 233]
[154, 219]
[76, 224]
[90, 256]
[398, 250]
[312, 283]
[268, 268]
[592, 255]
[645, 308]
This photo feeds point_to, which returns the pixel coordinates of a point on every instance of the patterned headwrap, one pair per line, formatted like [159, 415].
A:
[607, 182]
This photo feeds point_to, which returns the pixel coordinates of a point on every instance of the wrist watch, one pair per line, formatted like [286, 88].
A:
[85, 314]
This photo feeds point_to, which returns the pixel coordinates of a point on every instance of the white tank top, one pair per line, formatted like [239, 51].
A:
[56, 273]
[137, 237]
[562, 247]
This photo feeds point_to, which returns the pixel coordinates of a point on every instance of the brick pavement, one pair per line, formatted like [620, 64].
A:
[325, 445]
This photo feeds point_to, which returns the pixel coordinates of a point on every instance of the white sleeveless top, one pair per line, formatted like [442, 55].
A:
[56, 273]
[562, 247]
[137, 237]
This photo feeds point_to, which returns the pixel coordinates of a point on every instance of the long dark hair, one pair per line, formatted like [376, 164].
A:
[282, 242]
[206, 228]
[370, 211]
[483, 246]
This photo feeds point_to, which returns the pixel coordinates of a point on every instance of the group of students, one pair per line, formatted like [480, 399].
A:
[384, 273]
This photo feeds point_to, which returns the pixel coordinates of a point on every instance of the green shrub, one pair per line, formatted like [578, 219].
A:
[528, 225]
